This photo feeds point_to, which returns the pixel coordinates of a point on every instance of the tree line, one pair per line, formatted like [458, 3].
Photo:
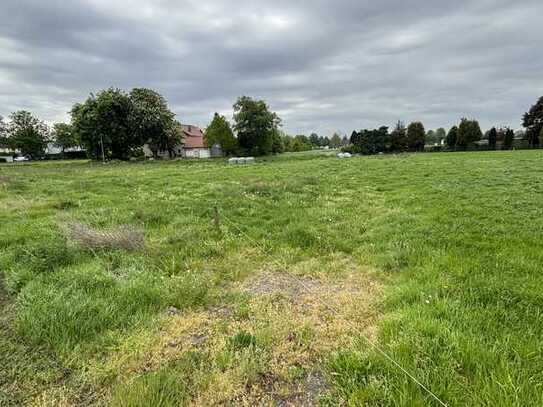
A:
[270, 139]
[114, 124]
[411, 138]
[460, 137]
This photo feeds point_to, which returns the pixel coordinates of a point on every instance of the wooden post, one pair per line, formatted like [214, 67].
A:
[216, 218]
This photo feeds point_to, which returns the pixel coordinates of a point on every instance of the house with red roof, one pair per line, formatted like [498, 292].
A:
[193, 142]
[193, 145]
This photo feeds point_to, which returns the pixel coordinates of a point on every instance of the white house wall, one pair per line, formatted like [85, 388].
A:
[197, 153]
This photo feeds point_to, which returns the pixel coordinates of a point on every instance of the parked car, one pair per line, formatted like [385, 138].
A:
[21, 158]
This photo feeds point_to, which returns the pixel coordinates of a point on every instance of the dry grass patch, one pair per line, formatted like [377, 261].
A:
[145, 351]
[297, 322]
[125, 237]
[53, 397]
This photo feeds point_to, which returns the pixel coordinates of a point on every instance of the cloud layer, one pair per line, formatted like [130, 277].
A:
[322, 65]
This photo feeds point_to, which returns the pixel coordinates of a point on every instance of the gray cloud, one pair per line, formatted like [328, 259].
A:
[322, 65]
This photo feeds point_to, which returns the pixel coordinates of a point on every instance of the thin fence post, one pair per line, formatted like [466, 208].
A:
[216, 218]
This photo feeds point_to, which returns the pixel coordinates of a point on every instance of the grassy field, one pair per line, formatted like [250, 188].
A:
[435, 257]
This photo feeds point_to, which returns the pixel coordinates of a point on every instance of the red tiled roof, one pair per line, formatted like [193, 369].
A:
[194, 136]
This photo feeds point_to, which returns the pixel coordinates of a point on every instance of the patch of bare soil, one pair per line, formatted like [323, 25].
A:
[296, 286]
[308, 392]
[330, 296]
[304, 393]
[336, 310]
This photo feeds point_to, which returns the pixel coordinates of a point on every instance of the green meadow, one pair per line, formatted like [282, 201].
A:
[262, 284]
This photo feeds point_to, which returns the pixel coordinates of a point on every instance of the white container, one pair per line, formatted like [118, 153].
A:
[241, 160]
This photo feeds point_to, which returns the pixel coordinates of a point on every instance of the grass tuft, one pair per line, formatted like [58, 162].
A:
[160, 389]
[242, 340]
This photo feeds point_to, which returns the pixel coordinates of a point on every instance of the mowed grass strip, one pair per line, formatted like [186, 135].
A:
[449, 242]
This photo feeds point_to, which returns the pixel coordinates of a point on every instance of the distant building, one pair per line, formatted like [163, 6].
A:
[193, 145]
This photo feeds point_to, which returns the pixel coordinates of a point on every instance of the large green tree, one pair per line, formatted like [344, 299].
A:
[398, 138]
[301, 143]
[64, 136]
[452, 137]
[436, 136]
[416, 136]
[492, 138]
[335, 141]
[3, 133]
[353, 140]
[27, 134]
[151, 121]
[287, 141]
[469, 132]
[324, 141]
[533, 122]
[315, 140]
[371, 141]
[278, 145]
[174, 137]
[508, 139]
[103, 123]
[431, 137]
[220, 132]
[255, 125]
[441, 134]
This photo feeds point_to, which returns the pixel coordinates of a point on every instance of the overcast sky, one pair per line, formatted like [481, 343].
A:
[323, 65]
